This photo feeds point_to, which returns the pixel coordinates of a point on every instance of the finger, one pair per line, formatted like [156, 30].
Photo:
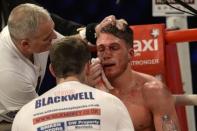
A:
[110, 18]
[95, 67]
[97, 80]
[94, 82]
[93, 79]
[106, 21]
[95, 61]
[95, 71]
[95, 75]
[121, 24]
[123, 21]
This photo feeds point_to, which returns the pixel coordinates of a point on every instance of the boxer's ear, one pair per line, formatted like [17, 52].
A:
[131, 53]
[52, 71]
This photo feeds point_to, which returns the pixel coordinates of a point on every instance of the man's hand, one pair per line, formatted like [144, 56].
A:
[96, 76]
[111, 20]
[92, 30]
[94, 73]
[121, 23]
[106, 21]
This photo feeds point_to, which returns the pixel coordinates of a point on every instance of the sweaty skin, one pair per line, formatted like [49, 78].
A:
[136, 103]
[146, 98]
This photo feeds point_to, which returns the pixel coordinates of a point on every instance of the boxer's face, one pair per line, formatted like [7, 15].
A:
[113, 53]
[41, 41]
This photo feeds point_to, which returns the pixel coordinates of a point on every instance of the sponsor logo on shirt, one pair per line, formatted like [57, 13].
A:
[66, 108]
[56, 99]
[83, 124]
[64, 115]
[60, 126]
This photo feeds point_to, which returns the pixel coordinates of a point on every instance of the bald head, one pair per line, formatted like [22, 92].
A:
[25, 19]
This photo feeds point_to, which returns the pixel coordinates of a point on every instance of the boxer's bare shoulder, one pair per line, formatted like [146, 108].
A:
[142, 101]
[135, 103]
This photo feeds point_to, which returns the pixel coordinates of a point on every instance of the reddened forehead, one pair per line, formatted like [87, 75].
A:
[107, 39]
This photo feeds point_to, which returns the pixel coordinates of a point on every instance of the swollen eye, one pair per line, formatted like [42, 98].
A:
[100, 49]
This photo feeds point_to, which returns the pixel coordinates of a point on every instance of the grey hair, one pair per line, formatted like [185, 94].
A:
[24, 20]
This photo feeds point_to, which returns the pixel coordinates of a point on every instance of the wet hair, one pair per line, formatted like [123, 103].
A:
[125, 33]
[69, 56]
[24, 20]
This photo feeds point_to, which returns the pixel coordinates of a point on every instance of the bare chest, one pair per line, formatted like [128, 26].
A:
[140, 114]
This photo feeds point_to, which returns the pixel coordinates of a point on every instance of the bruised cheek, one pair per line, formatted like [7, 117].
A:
[123, 61]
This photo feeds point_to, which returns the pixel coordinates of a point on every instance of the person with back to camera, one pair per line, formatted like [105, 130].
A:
[73, 105]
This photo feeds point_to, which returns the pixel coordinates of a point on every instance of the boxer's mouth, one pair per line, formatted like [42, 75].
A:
[107, 65]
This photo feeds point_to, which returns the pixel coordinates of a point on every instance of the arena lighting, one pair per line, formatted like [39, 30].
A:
[117, 2]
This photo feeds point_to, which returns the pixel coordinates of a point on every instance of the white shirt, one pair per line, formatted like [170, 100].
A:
[72, 106]
[18, 76]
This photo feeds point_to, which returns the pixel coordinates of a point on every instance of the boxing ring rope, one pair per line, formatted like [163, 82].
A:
[183, 35]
